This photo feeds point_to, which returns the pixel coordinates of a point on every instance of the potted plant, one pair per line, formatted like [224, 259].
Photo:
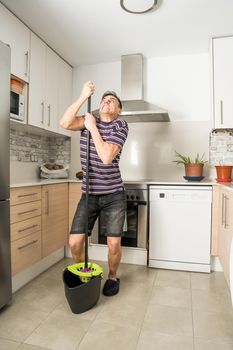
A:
[193, 168]
[223, 173]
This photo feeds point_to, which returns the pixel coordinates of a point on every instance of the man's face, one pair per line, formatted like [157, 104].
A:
[110, 105]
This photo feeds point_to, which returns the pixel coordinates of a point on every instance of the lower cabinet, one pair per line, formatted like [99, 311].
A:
[25, 210]
[226, 233]
[74, 197]
[54, 217]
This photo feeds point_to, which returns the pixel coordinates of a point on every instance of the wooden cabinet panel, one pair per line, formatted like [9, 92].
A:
[21, 195]
[25, 228]
[54, 217]
[225, 231]
[25, 252]
[24, 211]
[74, 197]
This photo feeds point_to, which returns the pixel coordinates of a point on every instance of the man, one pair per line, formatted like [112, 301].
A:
[107, 198]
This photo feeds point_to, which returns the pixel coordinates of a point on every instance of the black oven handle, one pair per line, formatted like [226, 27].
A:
[136, 203]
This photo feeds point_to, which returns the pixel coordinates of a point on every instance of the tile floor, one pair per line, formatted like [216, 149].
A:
[155, 309]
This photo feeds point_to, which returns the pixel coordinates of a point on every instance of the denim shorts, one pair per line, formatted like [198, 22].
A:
[111, 210]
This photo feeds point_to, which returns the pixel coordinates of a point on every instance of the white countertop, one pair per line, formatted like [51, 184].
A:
[155, 181]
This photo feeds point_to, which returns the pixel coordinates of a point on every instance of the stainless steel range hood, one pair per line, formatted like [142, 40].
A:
[134, 108]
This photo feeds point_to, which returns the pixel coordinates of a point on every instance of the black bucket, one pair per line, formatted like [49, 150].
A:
[81, 296]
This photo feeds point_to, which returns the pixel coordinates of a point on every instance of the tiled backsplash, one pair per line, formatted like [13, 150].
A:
[29, 147]
[221, 147]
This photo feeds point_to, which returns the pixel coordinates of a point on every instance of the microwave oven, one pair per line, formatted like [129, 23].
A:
[17, 106]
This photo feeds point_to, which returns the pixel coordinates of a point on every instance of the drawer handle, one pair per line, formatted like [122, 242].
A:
[26, 195]
[28, 244]
[27, 228]
[28, 211]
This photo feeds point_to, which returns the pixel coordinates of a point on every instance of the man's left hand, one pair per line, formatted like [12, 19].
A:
[89, 121]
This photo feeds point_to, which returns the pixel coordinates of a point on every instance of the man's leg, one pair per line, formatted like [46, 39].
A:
[114, 256]
[76, 242]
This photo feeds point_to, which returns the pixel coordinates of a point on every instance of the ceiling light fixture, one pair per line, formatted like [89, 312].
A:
[152, 4]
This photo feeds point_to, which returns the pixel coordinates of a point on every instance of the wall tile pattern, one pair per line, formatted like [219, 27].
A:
[221, 147]
[29, 147]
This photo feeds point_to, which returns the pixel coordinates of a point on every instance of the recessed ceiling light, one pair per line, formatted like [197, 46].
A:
[138, 6]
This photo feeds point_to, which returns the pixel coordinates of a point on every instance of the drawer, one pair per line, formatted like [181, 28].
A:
[21, 195]
[25, 252]
[25, 211]
[25, 227]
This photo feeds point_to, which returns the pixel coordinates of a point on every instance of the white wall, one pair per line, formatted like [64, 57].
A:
[180, 84]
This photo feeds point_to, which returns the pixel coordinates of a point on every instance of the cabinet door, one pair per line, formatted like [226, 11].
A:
[74, 197]
[226, 231]
[52, 82]
[223, 82]
[36, 111]
[14, 33]
[54, 217]
[64, 92]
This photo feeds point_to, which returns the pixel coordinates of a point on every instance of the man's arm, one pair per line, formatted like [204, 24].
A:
[70, 120]
[106, 151]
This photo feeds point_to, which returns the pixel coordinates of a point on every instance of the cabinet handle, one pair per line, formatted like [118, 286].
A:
[27, 228]
[28, 244]
[47, 211]
[26, 195]
[223, 209]
[28, 211]
[42, 113]
[49, 113]
[225, 223]
[221, 111]
[26, 63]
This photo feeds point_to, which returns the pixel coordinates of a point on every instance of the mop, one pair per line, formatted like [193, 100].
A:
[82, 280]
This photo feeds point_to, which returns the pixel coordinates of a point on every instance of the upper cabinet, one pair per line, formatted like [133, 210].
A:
[14, 33]
[50, 87]
[64, 92]
[222, 58]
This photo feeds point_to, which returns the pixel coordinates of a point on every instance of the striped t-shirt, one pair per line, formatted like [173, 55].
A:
[103, 178]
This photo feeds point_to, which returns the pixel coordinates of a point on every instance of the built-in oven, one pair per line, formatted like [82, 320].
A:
[135, 231]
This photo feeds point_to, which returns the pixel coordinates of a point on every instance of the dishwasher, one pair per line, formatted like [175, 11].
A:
[180, 227]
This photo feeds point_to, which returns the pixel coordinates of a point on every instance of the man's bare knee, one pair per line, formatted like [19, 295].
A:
[76, 242]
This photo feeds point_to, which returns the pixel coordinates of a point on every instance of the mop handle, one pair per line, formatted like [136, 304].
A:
[87, 186]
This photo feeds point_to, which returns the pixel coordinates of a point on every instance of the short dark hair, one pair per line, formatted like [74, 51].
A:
[112, 93]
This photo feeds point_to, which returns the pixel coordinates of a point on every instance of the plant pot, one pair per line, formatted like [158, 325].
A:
[194, 169]
[223, 173]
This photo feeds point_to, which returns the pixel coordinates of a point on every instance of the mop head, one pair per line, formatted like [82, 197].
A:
[86, 273]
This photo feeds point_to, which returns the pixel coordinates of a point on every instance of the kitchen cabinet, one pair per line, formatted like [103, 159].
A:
[74, 197]
[25, 218]
[222, 57]
[226, 232]
[54, 217]
[43, 88]
[64, 92]
[14, 33]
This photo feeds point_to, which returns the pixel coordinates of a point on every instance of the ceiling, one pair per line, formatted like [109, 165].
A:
[96, 31]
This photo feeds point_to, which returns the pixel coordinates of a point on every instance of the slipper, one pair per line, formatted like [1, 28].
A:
[111, 287]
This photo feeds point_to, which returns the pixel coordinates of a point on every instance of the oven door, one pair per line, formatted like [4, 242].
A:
[135, 226]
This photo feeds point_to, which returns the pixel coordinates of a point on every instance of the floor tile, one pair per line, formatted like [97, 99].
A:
[30, 347]
[211, 344]
[170, 278]
[59, 333]
[214, 281]
[168, 320]
[152, 341]
[19, 320]
[137, 274]
[106, 336]
[6, 344]
[213, 325]
[119, 311]
[212, 301]
[171, 296]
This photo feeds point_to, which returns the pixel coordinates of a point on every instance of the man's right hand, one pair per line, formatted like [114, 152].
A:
[88, 89]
